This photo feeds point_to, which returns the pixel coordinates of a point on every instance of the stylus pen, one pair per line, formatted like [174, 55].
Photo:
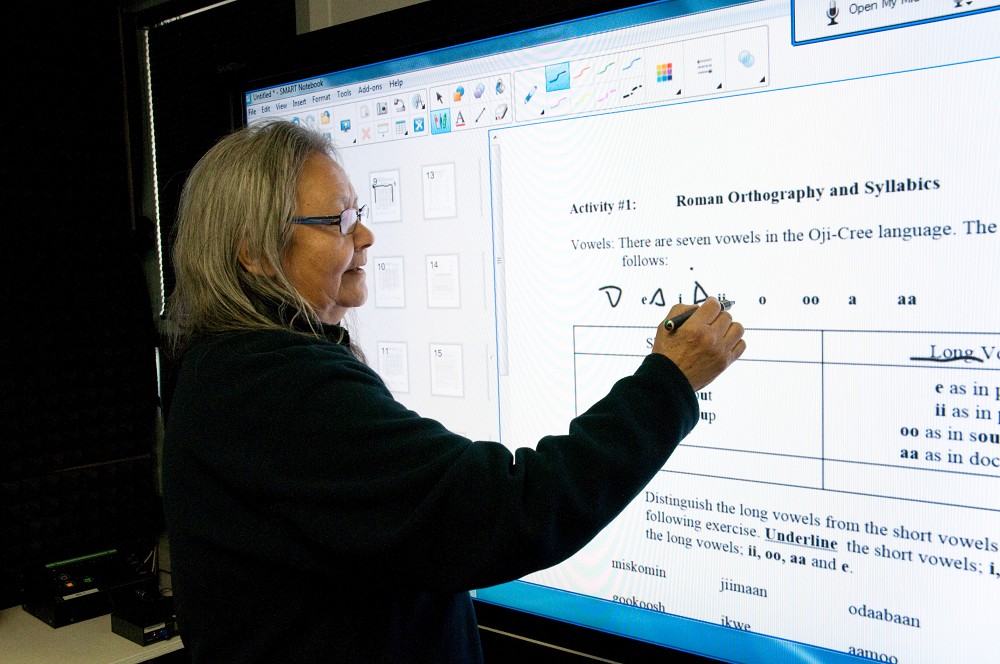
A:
[677, 321]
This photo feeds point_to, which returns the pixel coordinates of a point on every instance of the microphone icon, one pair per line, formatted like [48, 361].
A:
[832, 12]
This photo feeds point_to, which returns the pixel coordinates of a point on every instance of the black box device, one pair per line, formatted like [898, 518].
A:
[145, 621]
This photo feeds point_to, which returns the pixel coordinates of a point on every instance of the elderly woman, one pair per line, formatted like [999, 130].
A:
[313, 518]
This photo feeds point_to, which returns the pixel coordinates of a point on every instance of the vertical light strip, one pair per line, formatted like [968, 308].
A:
[156, 183]
[159, 375]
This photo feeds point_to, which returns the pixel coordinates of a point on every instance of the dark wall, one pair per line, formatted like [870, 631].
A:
[78, 382]
[77, 377]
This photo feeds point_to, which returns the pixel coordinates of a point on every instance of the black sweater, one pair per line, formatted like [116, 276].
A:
[313, 518]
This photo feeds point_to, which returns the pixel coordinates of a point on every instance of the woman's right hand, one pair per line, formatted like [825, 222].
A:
[708, 342]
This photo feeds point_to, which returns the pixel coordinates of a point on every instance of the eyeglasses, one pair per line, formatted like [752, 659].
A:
[347, 220]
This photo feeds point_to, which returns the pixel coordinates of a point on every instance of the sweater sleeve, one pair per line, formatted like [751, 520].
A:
[309, 446]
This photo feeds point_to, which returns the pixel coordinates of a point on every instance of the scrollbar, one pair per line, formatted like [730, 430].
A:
[499, 269]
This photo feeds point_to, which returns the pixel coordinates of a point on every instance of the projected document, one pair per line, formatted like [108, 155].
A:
[855, 449]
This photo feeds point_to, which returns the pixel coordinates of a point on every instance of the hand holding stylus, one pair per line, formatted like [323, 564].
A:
[706, 345]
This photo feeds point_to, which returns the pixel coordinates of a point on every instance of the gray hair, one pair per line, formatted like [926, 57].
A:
[240, 197]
